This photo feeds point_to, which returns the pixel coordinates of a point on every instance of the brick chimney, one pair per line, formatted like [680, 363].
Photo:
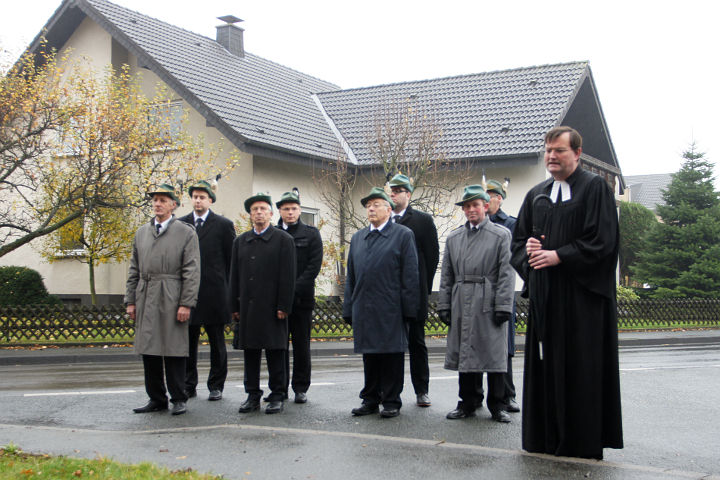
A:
[230, 36]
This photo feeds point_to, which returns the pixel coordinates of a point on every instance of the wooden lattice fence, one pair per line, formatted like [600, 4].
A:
[48, 324]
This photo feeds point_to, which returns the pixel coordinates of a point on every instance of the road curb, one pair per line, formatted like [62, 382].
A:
[321, 349]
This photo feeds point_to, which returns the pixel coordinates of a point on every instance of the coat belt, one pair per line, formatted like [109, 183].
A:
[159, 276]
[471, 279]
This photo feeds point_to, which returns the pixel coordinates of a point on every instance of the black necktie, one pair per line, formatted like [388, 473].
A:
[396, 218]
[157, 228]
[198, 223]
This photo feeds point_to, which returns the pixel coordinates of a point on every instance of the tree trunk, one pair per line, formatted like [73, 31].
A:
[91, 268]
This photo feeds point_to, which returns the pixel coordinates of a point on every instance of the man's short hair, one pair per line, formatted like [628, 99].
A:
[575, 137]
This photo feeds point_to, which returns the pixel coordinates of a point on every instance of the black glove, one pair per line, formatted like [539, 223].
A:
[348, 320]
[444, 316]
[501, 317]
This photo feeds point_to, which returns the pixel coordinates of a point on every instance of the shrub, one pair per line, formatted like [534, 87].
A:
[625, 293]
[23, 286]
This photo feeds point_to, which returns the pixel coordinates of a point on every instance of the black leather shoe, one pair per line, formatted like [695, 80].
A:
[300, 397]
[501, 416]
[191, 393]
[390, 412]
[459, 413]
[151, 406]
[249, 405]
[267, 399]
[512, 406]
[423, 400]
[215, 395]
[275, 406]
[179, 408]
[365, 409]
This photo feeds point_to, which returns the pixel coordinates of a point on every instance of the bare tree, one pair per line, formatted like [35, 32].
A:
[403, 138]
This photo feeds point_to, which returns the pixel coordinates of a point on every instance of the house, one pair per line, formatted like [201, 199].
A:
[647, 189]
[286, 124]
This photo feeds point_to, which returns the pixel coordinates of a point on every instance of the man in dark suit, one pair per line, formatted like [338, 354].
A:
[497, 192]
[216, 235]
[308, 257]
[428, 253]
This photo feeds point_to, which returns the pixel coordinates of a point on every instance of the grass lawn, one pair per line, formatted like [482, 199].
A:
[14, 463]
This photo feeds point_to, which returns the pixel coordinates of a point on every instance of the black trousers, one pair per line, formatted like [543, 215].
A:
[471, 390]
[174, 374]
[218, 357]
[300, 325]
[384, 377]
[276, 369]
[419, 370]
[508, 381]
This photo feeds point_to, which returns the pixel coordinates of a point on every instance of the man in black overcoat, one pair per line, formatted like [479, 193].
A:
[216, 234]
[565, 247]
[497, 192]
[262, 283]
[308, 255]
[428, 253]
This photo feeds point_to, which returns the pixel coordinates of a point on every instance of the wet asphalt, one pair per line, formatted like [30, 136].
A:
[79, 402]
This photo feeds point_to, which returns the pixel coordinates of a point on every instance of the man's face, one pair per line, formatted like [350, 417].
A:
[400, 197]
[474, 210]
[560, 159]
[495, 203]
[162, 206]
[260, 214]
[378, 211]
[290, 212]
[201, 202]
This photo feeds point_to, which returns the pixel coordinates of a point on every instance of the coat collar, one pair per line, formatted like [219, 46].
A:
[265, 237]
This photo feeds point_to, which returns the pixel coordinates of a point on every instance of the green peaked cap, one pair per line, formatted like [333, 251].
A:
[203, 185]
[288, 197]
[495, 186]
[166, 189]
[401, 180]
[473, 192]
[258, 197]
[377, 192]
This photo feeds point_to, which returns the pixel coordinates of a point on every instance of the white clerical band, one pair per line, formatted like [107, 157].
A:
[561, 187]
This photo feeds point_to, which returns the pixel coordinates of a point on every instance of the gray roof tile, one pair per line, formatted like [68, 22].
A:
[482, 115]
[250, 94]
[647, 189]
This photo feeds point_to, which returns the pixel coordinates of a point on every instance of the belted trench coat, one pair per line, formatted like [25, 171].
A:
[164, 274]
[477, 281]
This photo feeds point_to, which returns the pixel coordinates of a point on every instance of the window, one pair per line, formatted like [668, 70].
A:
[309, 216]
[170, 117]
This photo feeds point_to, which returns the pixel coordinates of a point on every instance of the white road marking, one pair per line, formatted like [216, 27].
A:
[57, 394]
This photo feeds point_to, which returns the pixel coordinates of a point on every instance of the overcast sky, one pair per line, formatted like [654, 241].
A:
[655, 63]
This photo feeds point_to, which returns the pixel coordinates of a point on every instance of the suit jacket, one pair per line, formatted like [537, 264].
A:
[428, 252]
[216, 238]
[308, 255]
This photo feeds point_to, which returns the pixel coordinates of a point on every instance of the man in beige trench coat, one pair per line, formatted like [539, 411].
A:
[162, 287]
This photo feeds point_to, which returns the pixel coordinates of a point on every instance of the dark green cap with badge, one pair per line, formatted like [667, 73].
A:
[288, 197]
[203, 185]
[401, 180]
[497, 187]
[167, 189]
[377, 192]
[473, 192]
[258, 197]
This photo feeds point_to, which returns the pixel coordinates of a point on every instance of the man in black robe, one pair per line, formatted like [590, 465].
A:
[571, 389]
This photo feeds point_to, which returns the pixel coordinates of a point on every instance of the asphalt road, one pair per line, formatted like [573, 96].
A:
[671, 397]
